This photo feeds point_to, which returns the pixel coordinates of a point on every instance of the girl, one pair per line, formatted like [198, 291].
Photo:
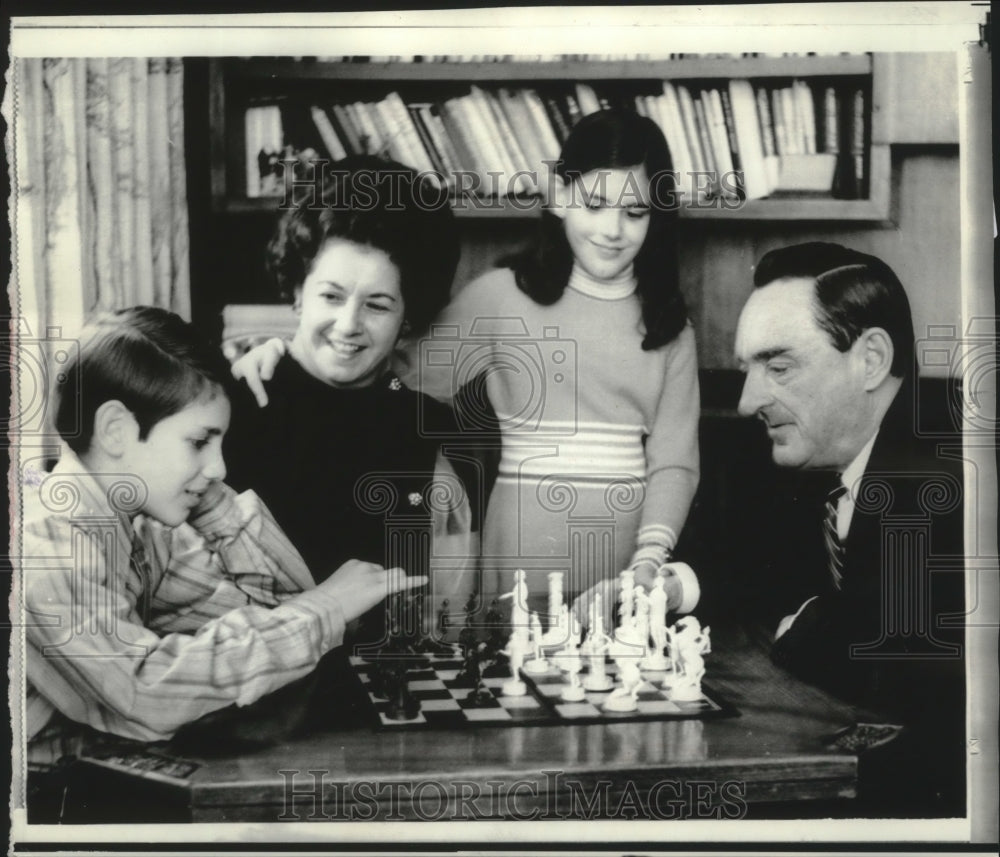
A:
[589, 363]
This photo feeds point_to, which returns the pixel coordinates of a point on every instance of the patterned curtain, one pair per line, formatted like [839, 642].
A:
[101, 205]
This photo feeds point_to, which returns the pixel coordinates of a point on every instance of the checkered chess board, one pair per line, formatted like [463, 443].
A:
[445, 704]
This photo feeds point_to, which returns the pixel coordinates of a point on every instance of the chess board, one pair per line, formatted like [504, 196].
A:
[443, 699]
[444, 704]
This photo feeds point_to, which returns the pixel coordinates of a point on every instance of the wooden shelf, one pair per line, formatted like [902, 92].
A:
[250, 75]
[500, 72]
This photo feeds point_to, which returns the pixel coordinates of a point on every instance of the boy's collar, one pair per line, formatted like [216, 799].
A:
[71, 480]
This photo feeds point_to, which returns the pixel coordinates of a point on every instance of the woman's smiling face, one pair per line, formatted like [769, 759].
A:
[350, 314]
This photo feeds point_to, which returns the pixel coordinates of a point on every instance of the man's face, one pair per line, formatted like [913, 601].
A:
[810, 396]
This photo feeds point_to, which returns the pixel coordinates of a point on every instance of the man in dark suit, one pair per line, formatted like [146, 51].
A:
[866, 604]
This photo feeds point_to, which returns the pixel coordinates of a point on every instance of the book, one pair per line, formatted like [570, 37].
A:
[806, 108]
[373, 139]
[831, 121]
[509, 142]
[487, 135]
[734, 146]
[519, 119]
[431, 121]
[670, 112]
[346, 129]
[559, 121]
[410, 142]
[746, 124]
[547, 136]
[327, 133]
[456, 126]
[691, 131]
[436, 158]
[778, 117]
[705, 141]
[587, 98]
[858, 140]
[772, 163]
[719, 137]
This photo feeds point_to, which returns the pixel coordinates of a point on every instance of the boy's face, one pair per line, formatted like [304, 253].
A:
[350, 315]
[180, 457]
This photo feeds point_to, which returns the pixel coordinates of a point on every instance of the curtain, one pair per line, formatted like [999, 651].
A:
[100, 178]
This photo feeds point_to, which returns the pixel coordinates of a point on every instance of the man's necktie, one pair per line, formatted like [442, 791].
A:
[834, 547]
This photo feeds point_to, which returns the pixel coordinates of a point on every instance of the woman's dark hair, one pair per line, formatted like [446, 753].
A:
[149, 359]
[381, 204]
[854, 292]
[615, 139]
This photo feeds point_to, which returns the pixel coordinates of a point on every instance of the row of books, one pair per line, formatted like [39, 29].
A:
[778, 138]
[748, 141]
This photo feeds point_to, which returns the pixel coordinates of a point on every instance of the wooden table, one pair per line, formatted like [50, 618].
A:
[773, 752]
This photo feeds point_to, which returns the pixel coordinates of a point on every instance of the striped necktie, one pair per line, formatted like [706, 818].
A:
[834, 547]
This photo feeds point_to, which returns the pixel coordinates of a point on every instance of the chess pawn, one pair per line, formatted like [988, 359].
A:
[571, 651]
[514, 686]
[538, 664]
[573, 691]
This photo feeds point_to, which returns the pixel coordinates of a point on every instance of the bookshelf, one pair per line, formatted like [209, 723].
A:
[236, 84]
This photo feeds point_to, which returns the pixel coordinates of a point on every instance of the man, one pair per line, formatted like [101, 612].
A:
[826, 342]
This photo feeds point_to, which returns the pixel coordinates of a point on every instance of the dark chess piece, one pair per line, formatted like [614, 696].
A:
[471, 673]
[495, 629]
[402, 704]
[470, 607]
[467, 638]
[376, 680]
[443, 620]
[479, 696]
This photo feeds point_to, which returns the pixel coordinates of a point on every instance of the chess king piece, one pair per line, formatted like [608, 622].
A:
[596, 645]
[516, 649]
[538, 664]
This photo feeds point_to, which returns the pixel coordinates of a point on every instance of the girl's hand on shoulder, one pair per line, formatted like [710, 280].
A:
[257, 366]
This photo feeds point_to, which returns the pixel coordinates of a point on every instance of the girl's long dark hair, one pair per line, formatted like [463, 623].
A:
[615, 139]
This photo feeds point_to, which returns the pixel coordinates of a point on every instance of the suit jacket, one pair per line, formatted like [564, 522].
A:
[890, 639]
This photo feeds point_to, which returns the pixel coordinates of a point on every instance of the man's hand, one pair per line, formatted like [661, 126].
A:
[359, 586]
[257, 366]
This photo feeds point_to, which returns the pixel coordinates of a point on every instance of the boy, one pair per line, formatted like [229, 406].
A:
[153, 594]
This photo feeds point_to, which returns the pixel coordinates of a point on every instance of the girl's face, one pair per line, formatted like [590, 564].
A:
[606, 217]
[350, 315]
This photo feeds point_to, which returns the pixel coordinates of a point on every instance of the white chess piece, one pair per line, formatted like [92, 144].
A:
[573, 691]
[596, 645]
[689, 688]
[624, 698]
[571, 651]
[515, 650]
[656, 660]
[538, 664]
[555, 635]
[519, 618]
[625, 608]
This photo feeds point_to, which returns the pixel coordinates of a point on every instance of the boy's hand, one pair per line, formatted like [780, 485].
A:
[257, 366]
[358, 586]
